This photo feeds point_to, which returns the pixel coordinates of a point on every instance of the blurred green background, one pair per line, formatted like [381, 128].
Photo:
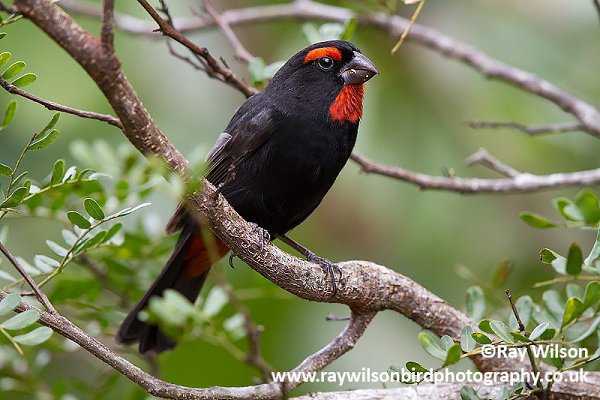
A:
[415, 113]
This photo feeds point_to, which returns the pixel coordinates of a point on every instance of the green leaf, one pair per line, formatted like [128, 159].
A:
[524, 306]
[414, 366]
[592, 294]
[587, 203]
[49, 125]
[21, 320]
[481, 338]
[467, 343]
[519, 337]
[574, 260]
[591, 329]
[15, 198]
[548, 334]
[468, 393]
[35, 337]
[78, 220]
[446, 342]
[45, 141]
[6, 276]
[568, 209]
[93, 209]
[58, 171]
[536, 220]
[57, 249]
[215, 301]
[484, 325]
[501, 273]
[5, 170]
[9, 115]
[4, 57]
[429, 343]
[9, 303]
[349, 29]
[112, 231]
[18, 178]
[475, 301]
[453, 355]
[573, 309]
[128, 210]
[553, 303]
[547, 255]
[256, 68]
[25, 80]
[574, 290]
[311, 32]
[502, 331]
[13, 70]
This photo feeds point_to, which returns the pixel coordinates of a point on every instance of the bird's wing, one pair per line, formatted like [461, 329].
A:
[245, 134]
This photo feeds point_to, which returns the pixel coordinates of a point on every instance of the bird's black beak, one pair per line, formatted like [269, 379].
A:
[358, 70]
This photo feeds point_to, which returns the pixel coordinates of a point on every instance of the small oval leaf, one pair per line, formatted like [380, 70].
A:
[93, 209]
[35, 337]
[78, 220]
[21, 320]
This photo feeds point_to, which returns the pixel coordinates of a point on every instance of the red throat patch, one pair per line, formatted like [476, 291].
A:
[348, 105]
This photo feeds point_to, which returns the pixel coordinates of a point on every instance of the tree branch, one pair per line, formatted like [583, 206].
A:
[588, 116]
[521, 183]
[240, 51]
[483, 157]
[50, 105]
[337, 347]
[530, 130]
[41, 296]
[214, 69]
[366, 287]
[108, 20]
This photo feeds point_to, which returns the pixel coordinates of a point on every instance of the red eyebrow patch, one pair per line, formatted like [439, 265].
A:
[315, 54]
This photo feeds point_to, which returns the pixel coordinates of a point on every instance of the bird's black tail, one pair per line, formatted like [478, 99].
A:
[185, 272]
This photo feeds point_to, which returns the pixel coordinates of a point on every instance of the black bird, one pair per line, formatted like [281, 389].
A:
[276, 160]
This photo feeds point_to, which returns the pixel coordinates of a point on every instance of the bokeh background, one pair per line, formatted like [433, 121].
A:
[415, 116]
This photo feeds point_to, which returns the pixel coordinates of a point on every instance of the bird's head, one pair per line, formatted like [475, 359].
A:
[326, 77]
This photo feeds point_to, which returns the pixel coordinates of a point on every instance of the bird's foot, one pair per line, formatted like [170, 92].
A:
[265, 236]
[231, 258]
[330, 269]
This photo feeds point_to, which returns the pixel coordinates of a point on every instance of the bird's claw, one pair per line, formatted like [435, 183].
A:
[231, 257]
[330, 269]
[264, 235]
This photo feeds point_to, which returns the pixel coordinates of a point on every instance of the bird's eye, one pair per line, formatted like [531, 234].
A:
[325, 63]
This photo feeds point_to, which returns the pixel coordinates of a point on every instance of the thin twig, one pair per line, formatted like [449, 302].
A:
[522, 183]
[41, 296]
[107, 26]
[483, 157]
[241, 53]
[523, 330]
[50, 105]
[253, 332]
[222, 73]
[530, 130]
